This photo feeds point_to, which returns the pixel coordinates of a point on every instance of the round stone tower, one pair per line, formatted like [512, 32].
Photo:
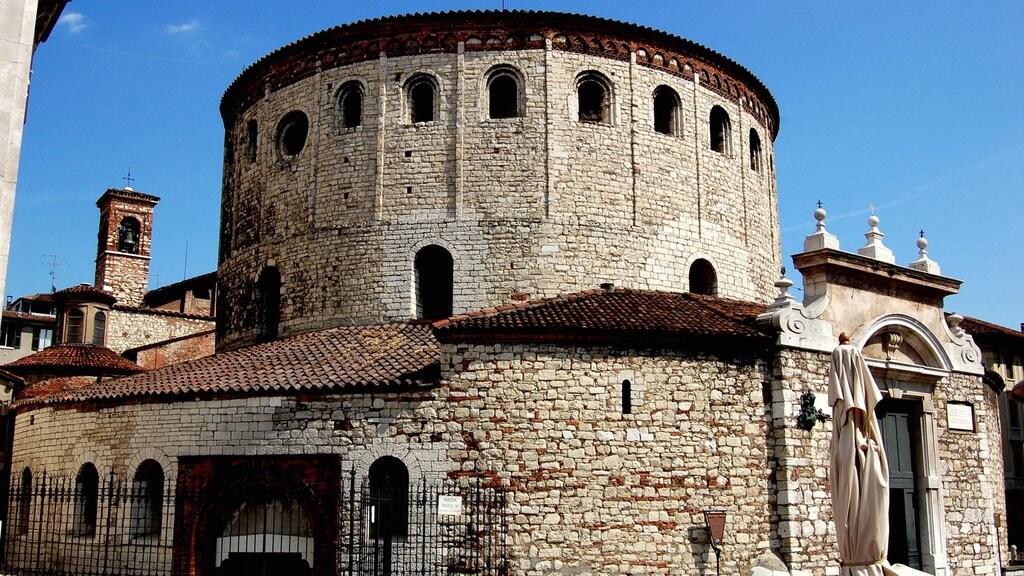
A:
[419, 166]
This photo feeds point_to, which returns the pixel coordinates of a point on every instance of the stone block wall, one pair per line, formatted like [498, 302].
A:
[131, 328]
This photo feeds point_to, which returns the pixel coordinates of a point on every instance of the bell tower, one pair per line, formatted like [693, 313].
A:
[124, 243]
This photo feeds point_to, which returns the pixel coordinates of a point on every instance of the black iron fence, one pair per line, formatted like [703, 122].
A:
[423, 529]
[86, 525]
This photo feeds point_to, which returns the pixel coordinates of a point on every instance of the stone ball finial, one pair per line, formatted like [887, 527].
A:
[873, 221]
[820, 214]
[922, 243]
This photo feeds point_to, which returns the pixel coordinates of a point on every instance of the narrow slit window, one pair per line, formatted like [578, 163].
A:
[627, 397]
[755, 151]
[268, 307]
[252, 135]
[99, 329]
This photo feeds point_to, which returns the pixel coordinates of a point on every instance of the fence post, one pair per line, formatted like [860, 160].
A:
[351, 517]
[39, 532]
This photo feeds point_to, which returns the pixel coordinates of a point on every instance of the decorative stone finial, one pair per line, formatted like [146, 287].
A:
[821, 237]
[875, 248]
[923, 262]
[843, 338]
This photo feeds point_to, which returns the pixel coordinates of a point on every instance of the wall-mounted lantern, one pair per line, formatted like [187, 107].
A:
[714, 521]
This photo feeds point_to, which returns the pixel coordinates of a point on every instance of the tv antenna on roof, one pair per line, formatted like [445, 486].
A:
[53, 270]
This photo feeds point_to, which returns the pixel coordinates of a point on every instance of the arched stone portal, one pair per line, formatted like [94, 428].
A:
[257, 515]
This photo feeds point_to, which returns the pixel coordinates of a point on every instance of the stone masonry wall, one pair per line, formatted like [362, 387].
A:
[593, 490]
[133, 328]
[539, 204]
[972, 477]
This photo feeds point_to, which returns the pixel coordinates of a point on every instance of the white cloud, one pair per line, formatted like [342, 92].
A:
[186, 28]
[73, 21]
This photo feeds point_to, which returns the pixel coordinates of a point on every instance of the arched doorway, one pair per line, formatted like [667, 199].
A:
[264, 537]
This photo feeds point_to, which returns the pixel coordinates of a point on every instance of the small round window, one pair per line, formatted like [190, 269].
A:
[292, 133]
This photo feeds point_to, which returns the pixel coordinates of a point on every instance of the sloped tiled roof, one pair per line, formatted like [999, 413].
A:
[351, 357]
[976, 328]
[27, 317]
[66, 357]
[84, 292]
[620, 311]
[50, 386]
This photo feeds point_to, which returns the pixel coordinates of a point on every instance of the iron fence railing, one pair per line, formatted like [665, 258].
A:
[105, 526]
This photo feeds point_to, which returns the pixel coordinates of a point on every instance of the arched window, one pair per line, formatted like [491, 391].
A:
[252, 136]
[434, 277]
[24, 502]
[147, 499]
[594, 95]
[703, 279]
[87, 492]
[389, 496]
[627, 397]
[99, 328]
[666, 111]
[721, 130]
[350, 104]
[268, 304]
[75, 331]
[292, 131]
[755, 151]
[421, 94]
[128, 235]
[503, 94]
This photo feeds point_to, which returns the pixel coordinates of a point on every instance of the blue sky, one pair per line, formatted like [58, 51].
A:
[914, 107]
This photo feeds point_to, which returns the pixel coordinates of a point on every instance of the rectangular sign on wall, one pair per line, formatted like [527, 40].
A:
[449, 505]
[960, 416]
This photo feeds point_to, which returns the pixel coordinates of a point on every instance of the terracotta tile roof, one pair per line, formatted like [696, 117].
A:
[25, 316]
[86, 358]
[39, 297]
[84, 292]
[351, 357]
[53, 386]
[619, 311]
[976, 328]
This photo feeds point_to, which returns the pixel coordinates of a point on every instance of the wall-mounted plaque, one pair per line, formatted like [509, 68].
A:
[960, 416]
[449, 505]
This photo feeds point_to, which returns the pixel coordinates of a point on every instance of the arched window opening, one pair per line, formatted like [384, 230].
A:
[434, 283]
[721, 130]
[86, 498]
[99, 329]
[250, 143]
[128, 235]
[594, 99]
[350, 101]
[389, 498]
[421, 99]
[268, 304]
[666, 111]
[503, 95]
[703, 279]
[627, 397]
[292, 132]
[76, 326]
[755, 151]
[24, 501]
[147, 499]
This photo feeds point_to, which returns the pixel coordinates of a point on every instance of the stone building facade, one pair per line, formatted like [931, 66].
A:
[669, 164]
[417, 213]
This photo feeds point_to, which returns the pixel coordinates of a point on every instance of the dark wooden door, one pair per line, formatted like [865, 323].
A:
[897, 421]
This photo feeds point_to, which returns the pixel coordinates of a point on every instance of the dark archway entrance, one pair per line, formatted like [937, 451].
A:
[265, 537]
